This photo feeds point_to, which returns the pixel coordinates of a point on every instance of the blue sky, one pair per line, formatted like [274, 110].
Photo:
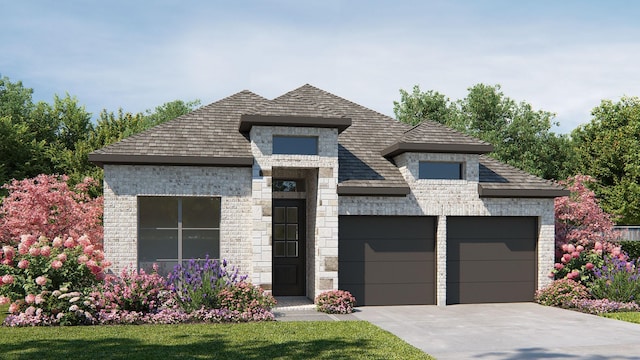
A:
[560, 56]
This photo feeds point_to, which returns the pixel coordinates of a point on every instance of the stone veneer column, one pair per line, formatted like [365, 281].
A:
[326, 244]
[261, 232]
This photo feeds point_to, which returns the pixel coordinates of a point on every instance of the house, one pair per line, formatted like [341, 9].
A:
[311, 192]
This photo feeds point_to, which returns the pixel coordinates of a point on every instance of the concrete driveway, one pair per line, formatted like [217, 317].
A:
[507, 331]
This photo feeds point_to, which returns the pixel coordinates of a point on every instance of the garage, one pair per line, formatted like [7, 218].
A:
[491, 259]
[387, 260]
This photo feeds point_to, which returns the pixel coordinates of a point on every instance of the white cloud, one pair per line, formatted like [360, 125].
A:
[209, 52]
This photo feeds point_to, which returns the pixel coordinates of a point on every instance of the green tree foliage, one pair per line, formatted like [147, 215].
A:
[608, 148]
[169, 111]
[521, 136]
[56, 138]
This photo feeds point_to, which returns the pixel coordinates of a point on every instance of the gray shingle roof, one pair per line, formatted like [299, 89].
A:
[429, 136]
[498, 179]
[203, 136]
[211, 136]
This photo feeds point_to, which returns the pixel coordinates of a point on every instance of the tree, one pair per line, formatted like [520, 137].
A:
[521, 136]
[169, 111]
[608, 148]
[583, 232]
[46, 206]
[417, 106]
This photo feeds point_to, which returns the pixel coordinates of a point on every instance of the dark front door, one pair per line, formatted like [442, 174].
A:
[288, 247]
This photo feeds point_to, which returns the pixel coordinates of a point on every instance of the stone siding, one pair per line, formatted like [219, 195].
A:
[322, 203]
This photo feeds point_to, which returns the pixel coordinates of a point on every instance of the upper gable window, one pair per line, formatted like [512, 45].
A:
[440, 170]
[295, 145]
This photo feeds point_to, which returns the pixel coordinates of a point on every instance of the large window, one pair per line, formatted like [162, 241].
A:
[440, 170]
[176, 229]
[295, 145]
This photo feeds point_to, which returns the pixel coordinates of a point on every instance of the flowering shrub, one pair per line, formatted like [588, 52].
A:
[133, 298]
[45, 205]
[584, 233]
[602, 306]
[38, 274]
[335, 302]
[561, 293]
[617, 280]
[197, 285]
[133, 291]
[244, 297]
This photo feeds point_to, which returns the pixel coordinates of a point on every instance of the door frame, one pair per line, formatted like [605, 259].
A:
[301, 260]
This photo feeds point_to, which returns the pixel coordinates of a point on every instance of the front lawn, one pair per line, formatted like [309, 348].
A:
[3, 312]
[266, 340]
[633, 317]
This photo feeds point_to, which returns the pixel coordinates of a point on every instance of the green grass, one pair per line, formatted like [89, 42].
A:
[633, 317]
[3, 312]
[269, 340]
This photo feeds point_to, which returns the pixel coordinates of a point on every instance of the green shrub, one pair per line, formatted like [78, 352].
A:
[562, 293]
[632, 248]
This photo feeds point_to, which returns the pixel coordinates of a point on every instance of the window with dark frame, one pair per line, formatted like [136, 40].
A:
[295, 145]
[172, 230]
[288, 185]
[440, 170]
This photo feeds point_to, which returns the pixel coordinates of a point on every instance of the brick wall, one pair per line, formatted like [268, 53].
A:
[123, 183]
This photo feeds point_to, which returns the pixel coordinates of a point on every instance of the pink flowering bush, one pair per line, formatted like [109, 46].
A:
[562, 293]
[335, 302]
[37, 276]
[602, 306]
[45, 205]
[133, 291]
[244, 297]
[584, 233]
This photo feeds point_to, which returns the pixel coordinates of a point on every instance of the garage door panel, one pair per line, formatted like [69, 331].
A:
[474, 249]
[387, 260]
[491, 259]
[387, 272]
[385, 227]
[387, 250]
[489, 227]
[479, 271]
[489, 292]
[392, 294]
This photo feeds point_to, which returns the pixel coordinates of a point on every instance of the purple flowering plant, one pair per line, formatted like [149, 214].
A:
[212, 284]
[617, 280]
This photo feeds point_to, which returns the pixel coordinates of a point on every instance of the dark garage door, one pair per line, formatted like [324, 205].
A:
[491, 259]
[387, 260]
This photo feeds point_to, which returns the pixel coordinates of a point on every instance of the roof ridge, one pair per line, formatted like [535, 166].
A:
[348, 101]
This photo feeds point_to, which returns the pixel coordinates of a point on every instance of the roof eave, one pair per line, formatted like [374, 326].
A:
[496, 192]
[120, 159]
[373, 190]
[402, 147]
[248, 121]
